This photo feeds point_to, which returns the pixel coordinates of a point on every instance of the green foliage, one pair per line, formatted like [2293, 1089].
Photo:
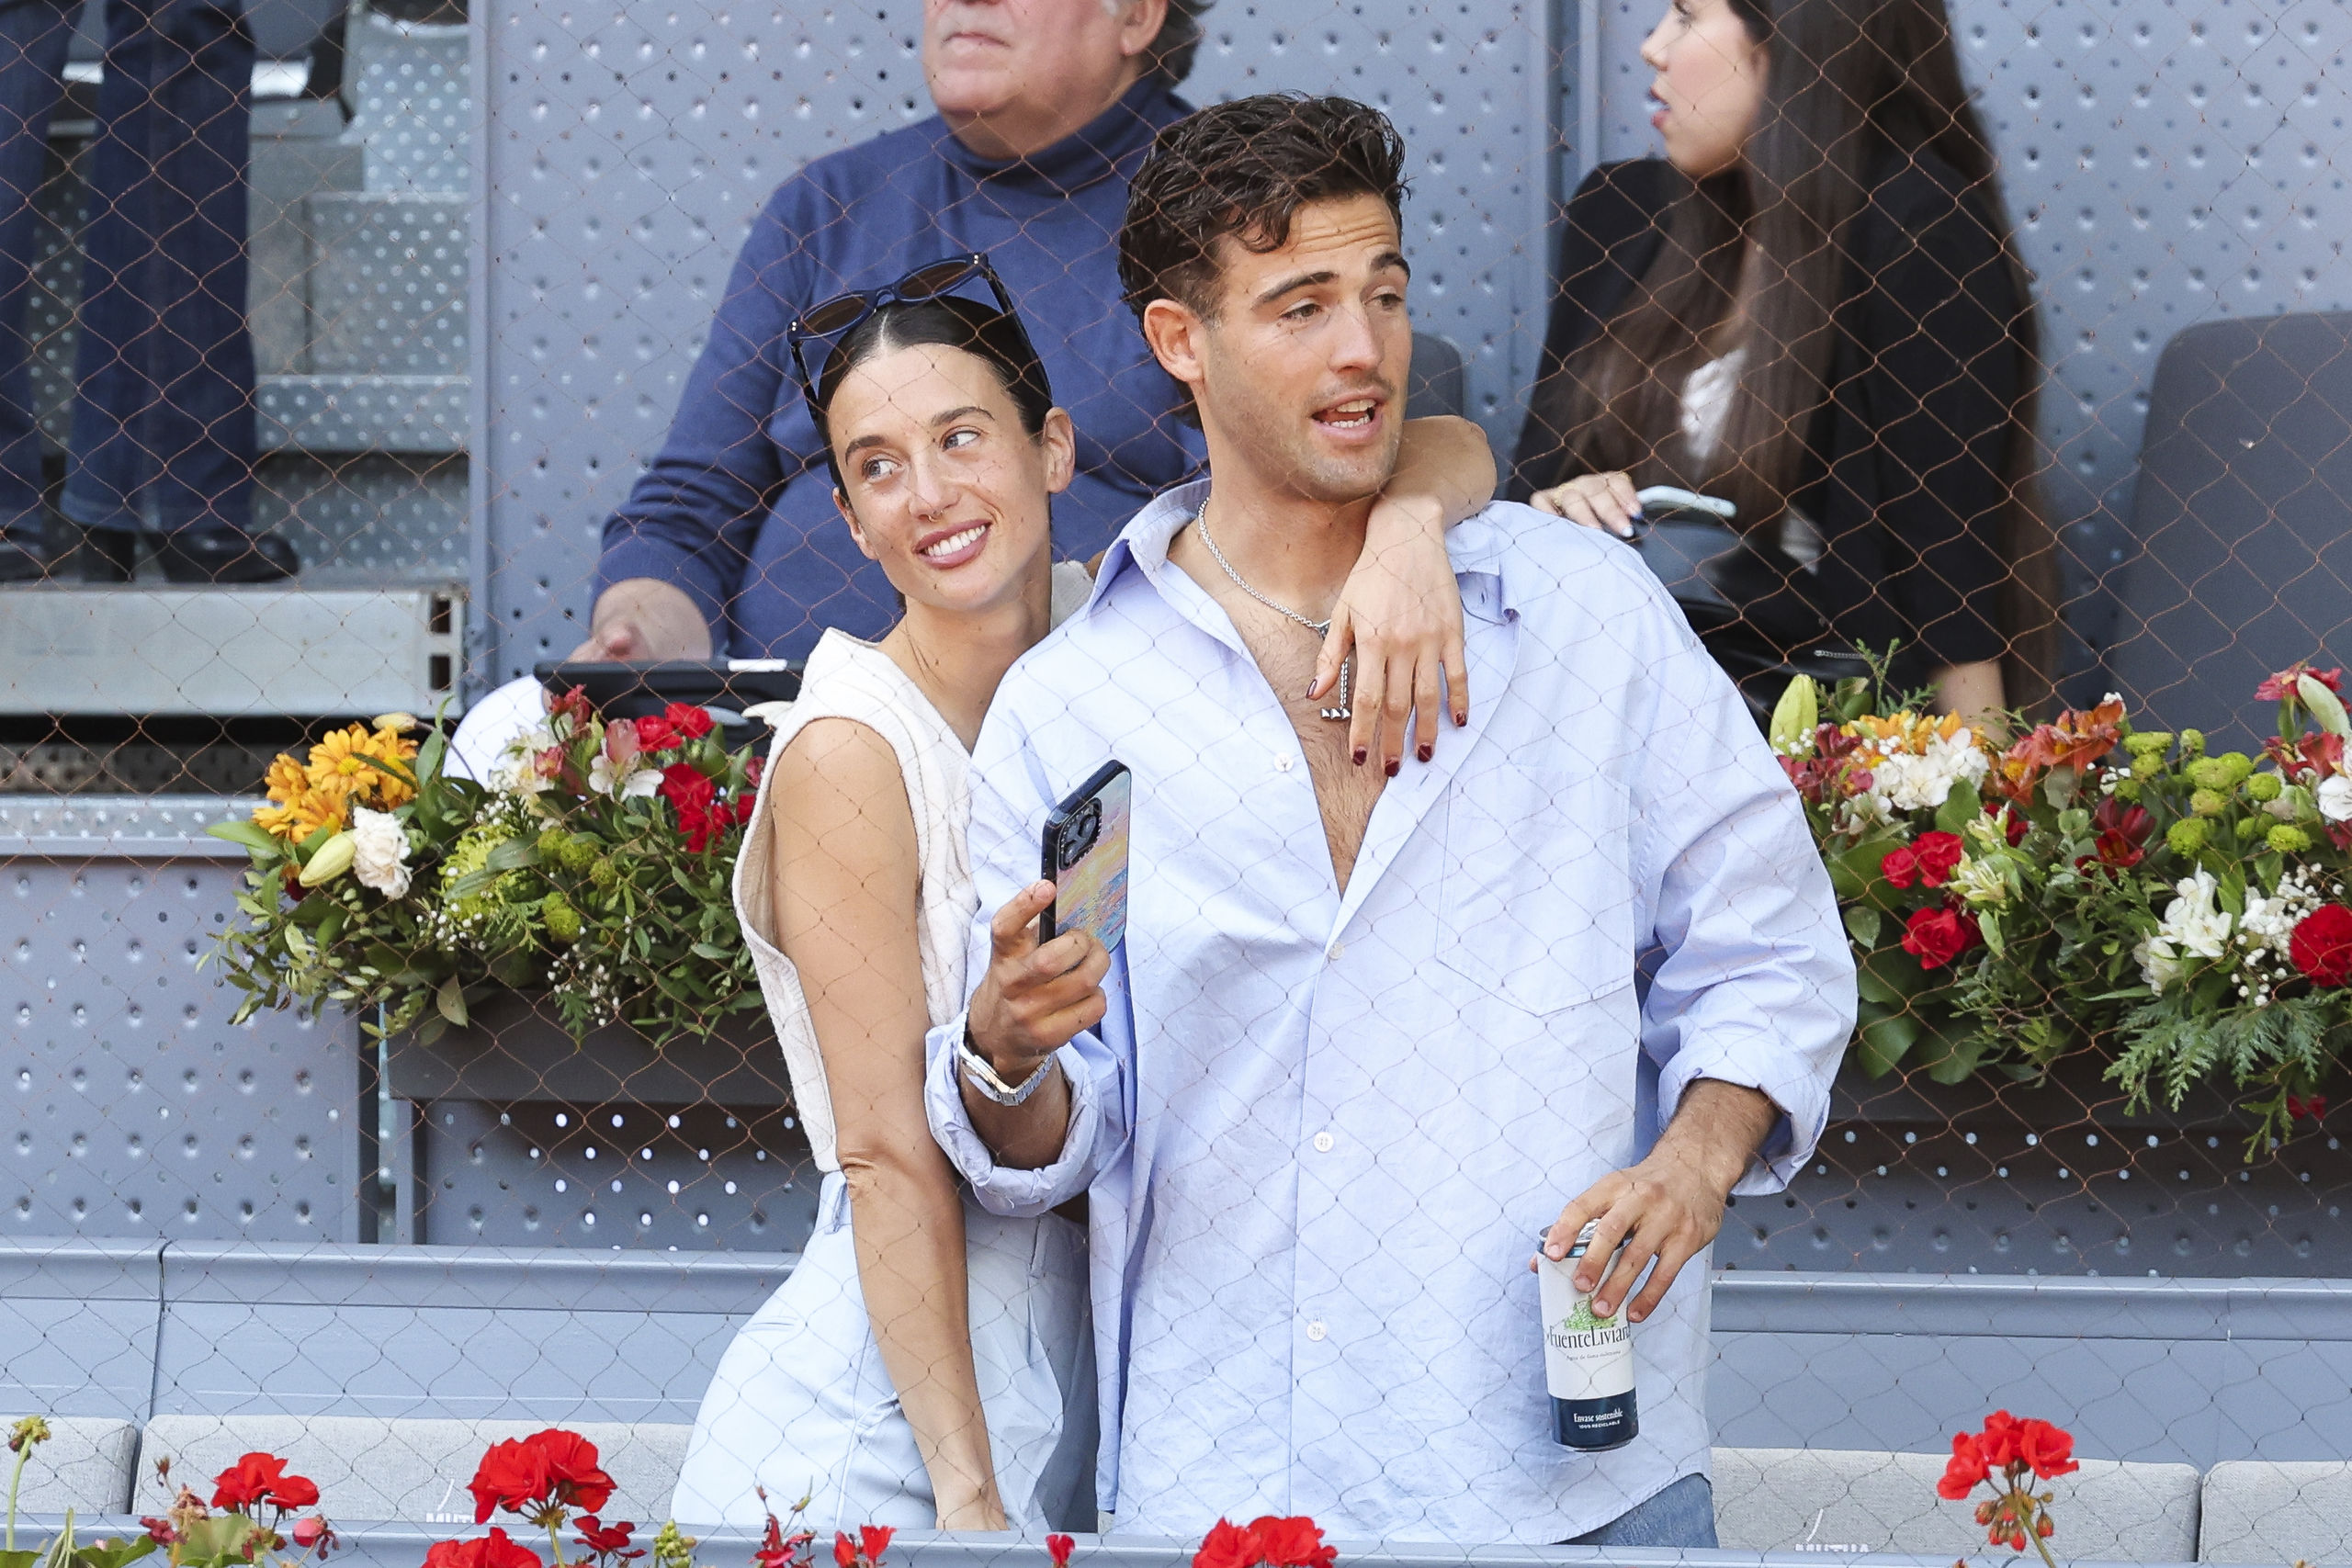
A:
[620, 904]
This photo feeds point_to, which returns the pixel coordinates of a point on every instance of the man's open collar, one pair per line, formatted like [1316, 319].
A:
[1479, 547]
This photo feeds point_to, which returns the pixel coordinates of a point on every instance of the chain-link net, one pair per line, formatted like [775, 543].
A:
[644, 529]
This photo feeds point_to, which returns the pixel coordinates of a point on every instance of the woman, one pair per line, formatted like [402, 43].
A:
[1811, 307]
[930, 1364]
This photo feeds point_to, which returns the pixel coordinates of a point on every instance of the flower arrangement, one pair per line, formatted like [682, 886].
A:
[2089, 886]
[189, 1533]
[2016, 1449]
[595, 862]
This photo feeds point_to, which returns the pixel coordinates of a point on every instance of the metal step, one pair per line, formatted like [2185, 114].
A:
[387, 284]
[364, 413]
[229, 651]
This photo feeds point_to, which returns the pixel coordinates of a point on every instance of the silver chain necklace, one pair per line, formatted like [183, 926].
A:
[1320, 628]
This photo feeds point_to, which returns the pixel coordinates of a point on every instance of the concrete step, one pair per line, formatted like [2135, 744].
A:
[228, 652]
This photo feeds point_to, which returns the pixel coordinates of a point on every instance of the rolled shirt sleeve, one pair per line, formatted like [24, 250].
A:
[1011, 797]
[1753, 981]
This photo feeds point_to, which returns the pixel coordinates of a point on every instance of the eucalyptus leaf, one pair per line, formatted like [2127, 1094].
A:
[1863, 924]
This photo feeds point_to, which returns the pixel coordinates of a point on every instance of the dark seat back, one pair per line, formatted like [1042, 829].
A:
[2242, 514]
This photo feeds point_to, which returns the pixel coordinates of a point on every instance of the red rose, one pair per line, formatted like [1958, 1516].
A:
[1965, 1471]
[1938, 853]
[2320, 947]
[656, 735]
[259, 1479]
[1058, 1548]
[1900, 866]
[497, 1550]
[1936, 937]
[688, 720]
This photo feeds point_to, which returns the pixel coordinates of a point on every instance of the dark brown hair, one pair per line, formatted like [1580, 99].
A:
[1178, 41]
[1767, 241]
[948, 321]
[1241, 171]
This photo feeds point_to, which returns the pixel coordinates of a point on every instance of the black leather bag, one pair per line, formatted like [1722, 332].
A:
[1737, 598]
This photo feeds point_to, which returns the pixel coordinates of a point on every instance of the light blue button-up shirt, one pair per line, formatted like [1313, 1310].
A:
[1322, 1131]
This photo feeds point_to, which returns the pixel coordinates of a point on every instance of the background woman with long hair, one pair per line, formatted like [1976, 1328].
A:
[1813, 306]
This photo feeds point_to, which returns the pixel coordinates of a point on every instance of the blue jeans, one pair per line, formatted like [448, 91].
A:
[1682, 1515]
[163, 428]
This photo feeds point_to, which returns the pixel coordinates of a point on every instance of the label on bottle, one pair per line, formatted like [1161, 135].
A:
[1588, 1360]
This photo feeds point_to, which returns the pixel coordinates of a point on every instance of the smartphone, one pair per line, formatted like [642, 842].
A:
[1670, 504]
[1086, 858]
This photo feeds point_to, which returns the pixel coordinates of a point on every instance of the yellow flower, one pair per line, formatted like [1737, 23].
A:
[303, 816]
[288, 782]
[339, 766]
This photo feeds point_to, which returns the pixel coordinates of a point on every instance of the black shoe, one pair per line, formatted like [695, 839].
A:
[21, 562]
[225, 555]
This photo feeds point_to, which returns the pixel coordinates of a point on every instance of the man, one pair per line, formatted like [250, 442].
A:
[1045, 107]
[1366, 1036]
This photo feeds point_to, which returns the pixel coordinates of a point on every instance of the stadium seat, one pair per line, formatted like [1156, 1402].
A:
[2242, 517]
[84, 1466]
[1832, 1500]
[2261, 1511]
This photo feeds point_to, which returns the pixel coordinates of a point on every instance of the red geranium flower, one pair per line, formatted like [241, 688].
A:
[496, 1549]
[2281, 686]
[2320, 947]
[1936, 937]
[258, 1478]
[314, 1531]
[608, 1541]
[1966, 1469]
[2314, 1107]
[1058, 1548]
[866, 1551]
[1295, 1542]
[540, 1474]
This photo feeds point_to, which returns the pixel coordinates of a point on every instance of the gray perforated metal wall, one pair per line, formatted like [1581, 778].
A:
[132, 1108]
[2164, 164]
[629, 147]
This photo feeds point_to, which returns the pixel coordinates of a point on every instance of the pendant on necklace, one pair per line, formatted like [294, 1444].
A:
[1339, 708]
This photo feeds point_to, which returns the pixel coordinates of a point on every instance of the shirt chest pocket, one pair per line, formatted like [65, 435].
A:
[1537, 907]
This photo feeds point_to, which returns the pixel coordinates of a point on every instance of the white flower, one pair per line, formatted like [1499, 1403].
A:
[2159, 965]
[2334, 797]
[644, 783]
[379, 857]
[1922, 783]
[2194, 922]
[1981, 880]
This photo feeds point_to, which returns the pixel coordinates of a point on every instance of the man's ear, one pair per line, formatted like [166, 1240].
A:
[856, 530]
[1140, 26]
[1174, 332]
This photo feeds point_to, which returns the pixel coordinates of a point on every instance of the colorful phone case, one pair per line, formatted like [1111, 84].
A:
[1086, 858]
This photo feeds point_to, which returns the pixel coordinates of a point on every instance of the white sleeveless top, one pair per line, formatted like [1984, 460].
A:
[846, 678]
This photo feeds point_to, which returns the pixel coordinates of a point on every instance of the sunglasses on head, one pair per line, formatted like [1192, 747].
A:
[837, 315]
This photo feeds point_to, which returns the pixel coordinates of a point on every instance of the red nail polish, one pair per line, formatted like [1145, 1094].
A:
[1358, 756]
[1392, 769]
[1426, 753]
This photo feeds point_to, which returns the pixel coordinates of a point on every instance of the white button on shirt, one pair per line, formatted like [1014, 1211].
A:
[1323, 1143]
[1477, 1048]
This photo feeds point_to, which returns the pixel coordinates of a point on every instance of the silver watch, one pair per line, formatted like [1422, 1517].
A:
[983, 1078]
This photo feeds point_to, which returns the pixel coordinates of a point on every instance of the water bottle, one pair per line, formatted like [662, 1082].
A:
[1588, 1360]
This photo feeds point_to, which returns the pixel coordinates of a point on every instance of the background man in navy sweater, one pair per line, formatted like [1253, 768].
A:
[1046, 108]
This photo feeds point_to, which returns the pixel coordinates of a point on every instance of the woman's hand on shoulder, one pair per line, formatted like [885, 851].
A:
[1606, 502]
[1399, 613]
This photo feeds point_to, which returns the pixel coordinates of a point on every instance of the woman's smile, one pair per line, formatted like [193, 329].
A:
[955, 545]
